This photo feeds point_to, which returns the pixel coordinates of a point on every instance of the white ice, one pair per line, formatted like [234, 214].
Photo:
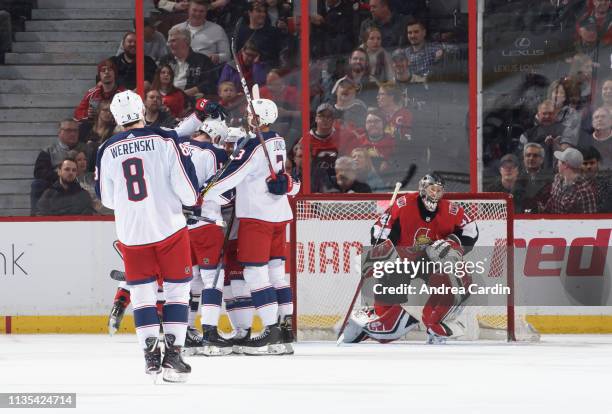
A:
[561, 374]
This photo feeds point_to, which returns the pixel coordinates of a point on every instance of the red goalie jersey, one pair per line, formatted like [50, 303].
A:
[410, 224]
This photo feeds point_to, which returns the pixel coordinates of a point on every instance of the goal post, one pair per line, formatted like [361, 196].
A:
[330, 230]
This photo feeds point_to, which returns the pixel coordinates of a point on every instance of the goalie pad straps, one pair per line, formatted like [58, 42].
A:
[393, 324]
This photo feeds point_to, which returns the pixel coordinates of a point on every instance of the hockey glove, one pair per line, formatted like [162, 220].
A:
[445, 250]
[380, 230]
[282, 185]
[205, 108]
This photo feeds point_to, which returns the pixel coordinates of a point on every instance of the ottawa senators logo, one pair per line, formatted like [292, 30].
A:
[421, 237]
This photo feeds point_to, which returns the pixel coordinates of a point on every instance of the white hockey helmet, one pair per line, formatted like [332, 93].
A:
[266, 110]
[234, 134]
[127, 107]
[431, 190]
[216, 129]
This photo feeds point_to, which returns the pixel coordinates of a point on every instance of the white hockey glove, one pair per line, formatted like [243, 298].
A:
[444, 250]
[378, 233]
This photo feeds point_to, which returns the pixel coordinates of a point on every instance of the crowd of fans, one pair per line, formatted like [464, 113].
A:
[378, 69]
[552, 147]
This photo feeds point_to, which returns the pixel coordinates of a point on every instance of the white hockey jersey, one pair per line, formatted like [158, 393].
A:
[146, 179]
[248, 173]
[207, 159]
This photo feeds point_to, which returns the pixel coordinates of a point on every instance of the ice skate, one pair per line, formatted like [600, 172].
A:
[268, 342]
[214, 344]
[152, 358]
[193, 342]
[174, 368]
[433, 339]
[239, 339]
[287, 337]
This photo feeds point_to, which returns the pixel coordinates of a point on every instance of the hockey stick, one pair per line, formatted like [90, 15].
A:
[222, 252]
[247, 95]
[411, 171]
[117, 275]
[189, 215]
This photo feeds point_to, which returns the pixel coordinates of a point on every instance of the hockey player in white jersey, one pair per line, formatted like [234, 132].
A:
[142, 175]
[263, 209]
[207, 243]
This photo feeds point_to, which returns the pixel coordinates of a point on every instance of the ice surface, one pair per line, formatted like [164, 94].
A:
[561, 374]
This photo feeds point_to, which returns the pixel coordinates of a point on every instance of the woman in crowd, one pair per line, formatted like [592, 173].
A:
[379, 58]
[172, 97]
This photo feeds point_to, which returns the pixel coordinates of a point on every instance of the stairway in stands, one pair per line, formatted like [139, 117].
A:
[51, 66]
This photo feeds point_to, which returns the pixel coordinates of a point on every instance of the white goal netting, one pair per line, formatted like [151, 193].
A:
[330, 233]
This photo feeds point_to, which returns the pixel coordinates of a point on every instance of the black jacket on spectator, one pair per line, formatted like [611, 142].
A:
[393, 33]
[49, 158]
[201, 72]
[126, 71]
[268, 40]
[57, 201]
[164, 119]
[335, 35]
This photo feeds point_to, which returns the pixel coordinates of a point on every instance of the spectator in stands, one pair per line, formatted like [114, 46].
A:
[534, 177]
[102, 129]
[86, 180]
[606, 94]
[366, 173]
[233, 103]
[286, 99]
[508, 181]
[346, 177]
[332, 28]
[581, 77]
[359, 73]
[391, 25]
[194, 72]
[379, 58]
[155, 114]
[207, 38]
[254, 71]
[571, 192]
[126, 64]
[421, 54]
[155, 45]
[560, 93]
[547, 131]
[278, 13]
[104, 91]
[48, 160]
[398, 120]
[587, 41]
[601, 137]
[379, 144]
[294, 163]
[598, 14]
[65, 196]
[268, 40]
[601, 182]
[352, 111]
[173, 98]
[400, 66]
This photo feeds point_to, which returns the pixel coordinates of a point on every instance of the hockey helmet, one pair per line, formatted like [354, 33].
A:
[431, 190]
[127, 107]
[266, 110]
[234, 134]
[216, 129]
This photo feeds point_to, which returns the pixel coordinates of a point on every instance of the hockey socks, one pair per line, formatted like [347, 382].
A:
[262, 293]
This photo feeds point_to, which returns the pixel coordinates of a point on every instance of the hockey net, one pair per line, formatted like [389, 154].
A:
[329, 231]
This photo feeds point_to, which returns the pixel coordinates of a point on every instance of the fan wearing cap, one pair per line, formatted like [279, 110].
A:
[571, 192]
[508, 181]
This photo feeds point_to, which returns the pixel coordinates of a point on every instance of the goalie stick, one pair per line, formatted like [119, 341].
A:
[410, 173]
[249, 100]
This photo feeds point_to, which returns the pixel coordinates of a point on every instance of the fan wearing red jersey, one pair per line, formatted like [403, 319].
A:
[425, 226]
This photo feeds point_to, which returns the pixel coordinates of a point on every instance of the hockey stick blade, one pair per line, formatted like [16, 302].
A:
[117, 275]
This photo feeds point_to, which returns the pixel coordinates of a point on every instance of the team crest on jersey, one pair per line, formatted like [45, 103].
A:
[421, 237]
[453, 209]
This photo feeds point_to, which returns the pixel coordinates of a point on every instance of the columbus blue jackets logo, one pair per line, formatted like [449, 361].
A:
[421, 237]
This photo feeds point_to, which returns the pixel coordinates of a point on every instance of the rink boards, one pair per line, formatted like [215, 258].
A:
[54, 275]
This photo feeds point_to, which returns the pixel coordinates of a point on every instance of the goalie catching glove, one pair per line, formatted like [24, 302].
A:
[205, 108]
[282, 185]
[445, 250]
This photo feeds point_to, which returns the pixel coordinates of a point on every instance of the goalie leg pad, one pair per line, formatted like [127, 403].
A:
[440, 311]
[262, 293]
[393, 324]
[176, 310]
[144, 297]
[282, 287]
